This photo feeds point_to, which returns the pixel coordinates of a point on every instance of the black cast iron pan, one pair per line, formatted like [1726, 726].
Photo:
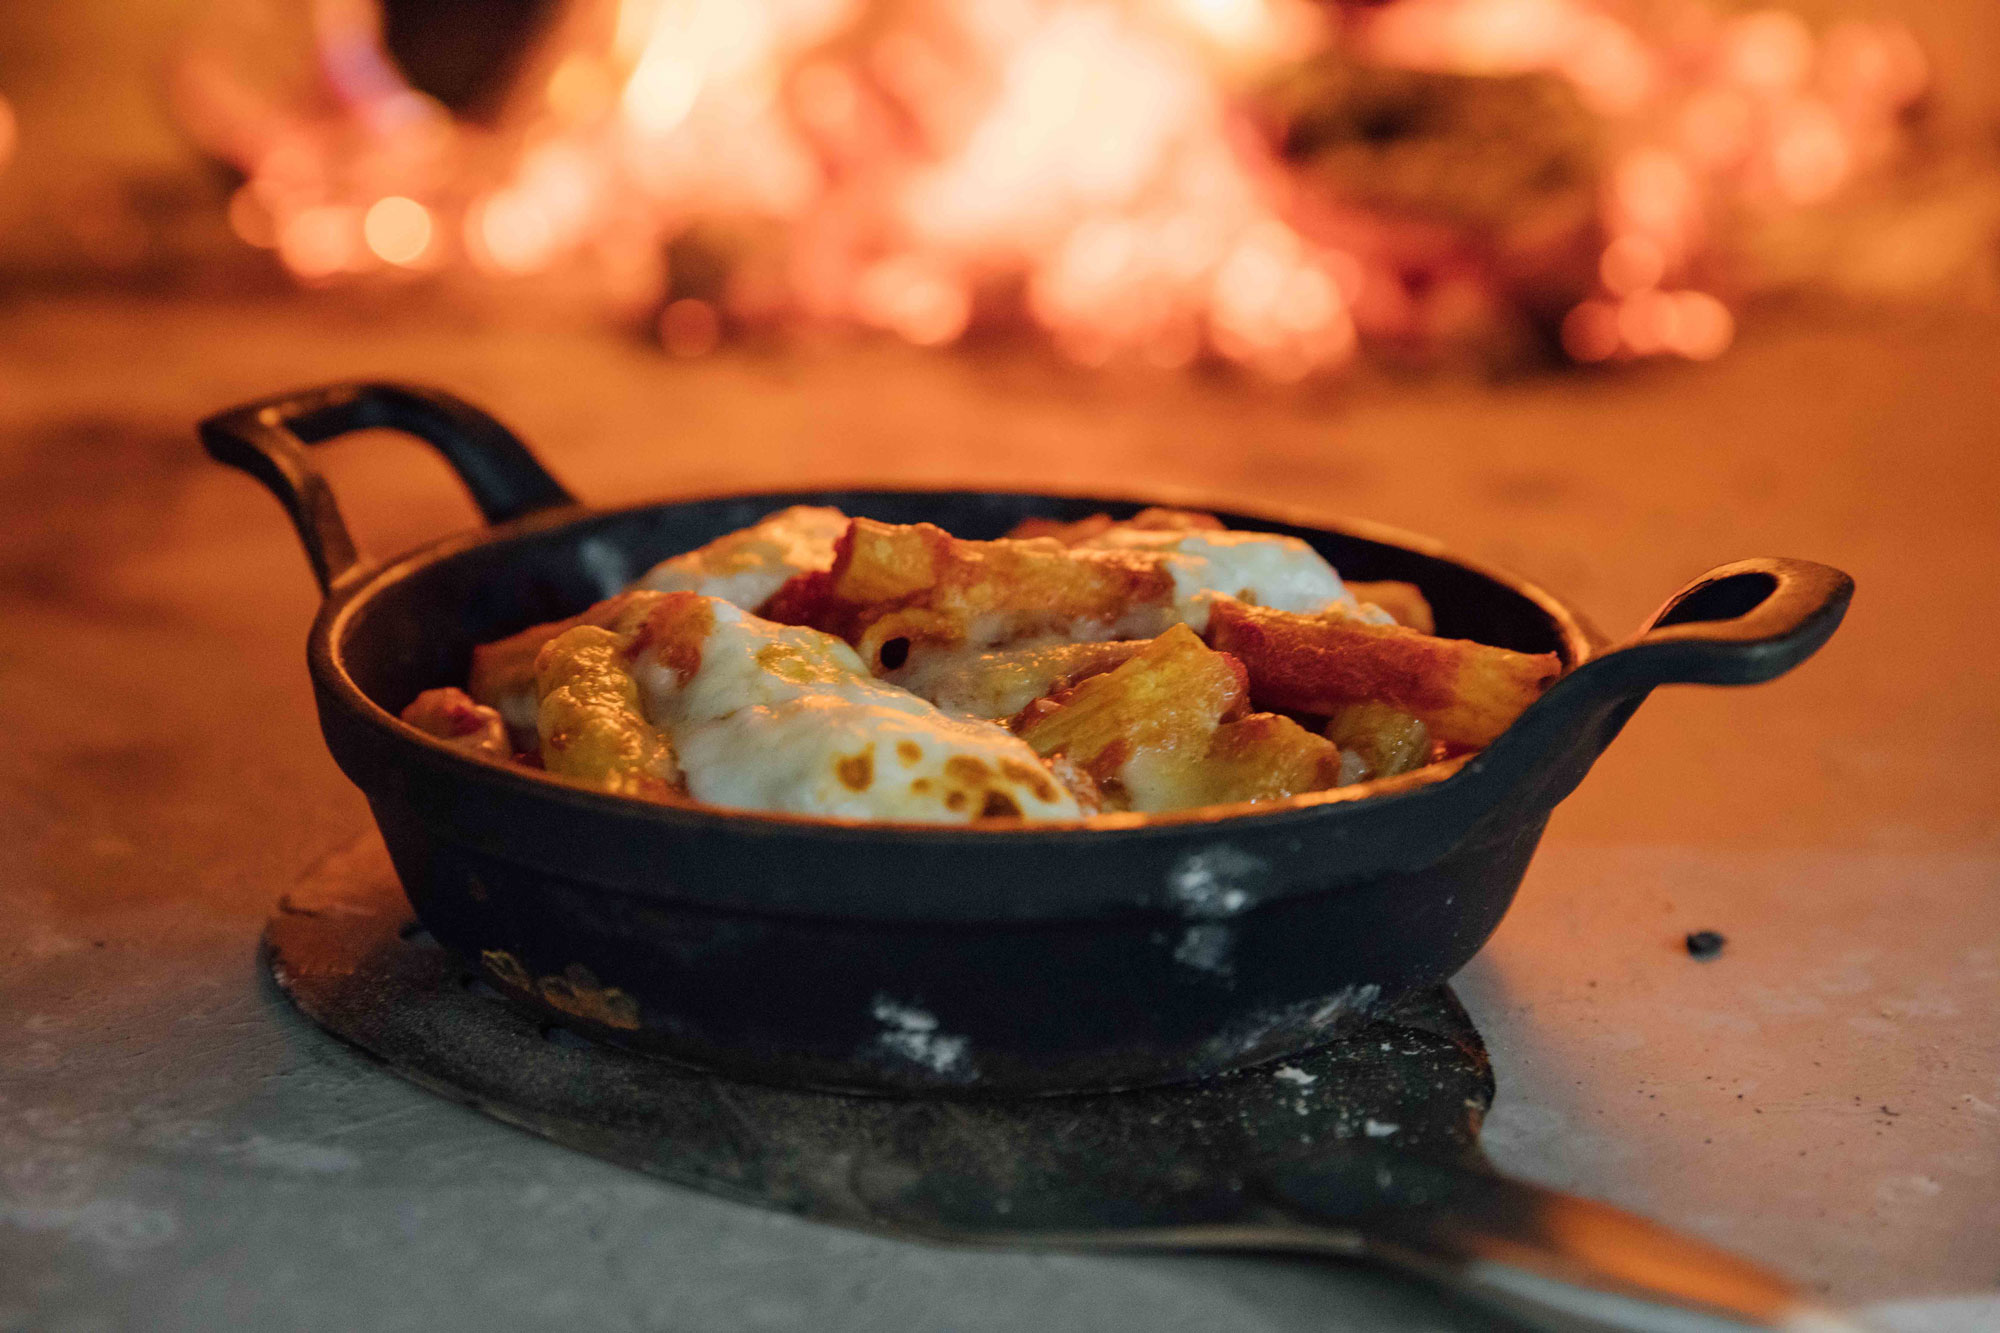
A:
[1119, 952]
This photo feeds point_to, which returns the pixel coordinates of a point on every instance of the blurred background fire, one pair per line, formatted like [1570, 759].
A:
[1288, 188]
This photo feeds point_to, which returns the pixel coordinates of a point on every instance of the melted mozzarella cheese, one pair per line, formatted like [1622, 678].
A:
[745, 567]
[1262, 568]
[783, 718]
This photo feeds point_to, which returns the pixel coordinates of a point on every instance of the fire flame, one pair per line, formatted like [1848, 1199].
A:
[1096, 166]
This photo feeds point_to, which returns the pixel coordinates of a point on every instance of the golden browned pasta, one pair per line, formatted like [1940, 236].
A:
[1380, 740]
[919, 582]
[1151, 734]
[1261, 758]
[1466, 693]
[892, 586]
[873, 682]
[591, 723]
[503, 672]
[1139, 730]
[999, 682]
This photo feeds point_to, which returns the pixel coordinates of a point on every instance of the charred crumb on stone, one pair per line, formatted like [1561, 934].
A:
[1705, 944]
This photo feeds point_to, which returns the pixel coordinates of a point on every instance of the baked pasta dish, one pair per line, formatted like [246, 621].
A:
[817, 664]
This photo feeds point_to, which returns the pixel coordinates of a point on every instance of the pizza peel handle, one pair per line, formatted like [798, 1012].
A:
[1550, 1260]
[268, 440]
[1545, 1259]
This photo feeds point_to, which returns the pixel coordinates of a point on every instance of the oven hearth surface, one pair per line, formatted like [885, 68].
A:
[345, 948]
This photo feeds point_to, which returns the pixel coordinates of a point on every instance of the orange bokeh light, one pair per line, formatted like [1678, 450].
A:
[1718, 127]
[1810, 155]
[251, 220]
[1631, 264]
[318, 242]
[510, 233]
[1653, 191]
[398, 230]
[1590, 332]
[917, 302]
[1770, 50]
[1702, 327]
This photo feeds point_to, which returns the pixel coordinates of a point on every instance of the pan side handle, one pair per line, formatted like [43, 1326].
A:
[1738, 624]
[268, 440]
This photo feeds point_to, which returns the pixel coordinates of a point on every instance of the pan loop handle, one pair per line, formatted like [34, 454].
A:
[1738, 624]
[268, 440]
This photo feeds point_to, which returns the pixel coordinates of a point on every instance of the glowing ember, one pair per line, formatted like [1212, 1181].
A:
[1274, 183]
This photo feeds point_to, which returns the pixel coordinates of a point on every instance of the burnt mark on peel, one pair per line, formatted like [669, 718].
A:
[576, 991]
